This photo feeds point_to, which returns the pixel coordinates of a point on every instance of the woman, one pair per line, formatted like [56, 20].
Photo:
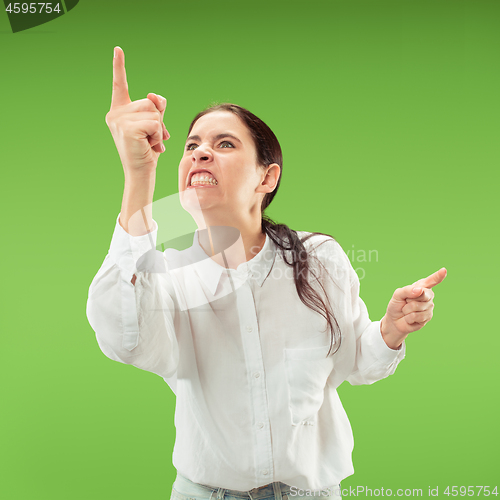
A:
[255, 326]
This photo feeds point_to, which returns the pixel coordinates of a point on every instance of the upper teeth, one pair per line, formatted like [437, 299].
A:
[203, 178]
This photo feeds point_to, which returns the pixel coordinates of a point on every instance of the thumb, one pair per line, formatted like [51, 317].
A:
[408, 292]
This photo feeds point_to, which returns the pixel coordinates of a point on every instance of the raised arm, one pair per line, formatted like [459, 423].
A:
[131, 310]
[138, 131]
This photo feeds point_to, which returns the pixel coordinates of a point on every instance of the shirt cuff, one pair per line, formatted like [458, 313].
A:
[381, 350]
[126, 249]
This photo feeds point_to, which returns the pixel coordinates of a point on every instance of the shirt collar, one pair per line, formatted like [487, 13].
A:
[210, 272]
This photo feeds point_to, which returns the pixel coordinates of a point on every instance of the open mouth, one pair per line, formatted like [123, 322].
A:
[203, 179]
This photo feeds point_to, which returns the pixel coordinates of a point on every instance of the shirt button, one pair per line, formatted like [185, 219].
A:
[265, 472]
[260, 425]
[249, 328]
[256, 375]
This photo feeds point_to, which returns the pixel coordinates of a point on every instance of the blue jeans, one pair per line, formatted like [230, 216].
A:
[184, 489]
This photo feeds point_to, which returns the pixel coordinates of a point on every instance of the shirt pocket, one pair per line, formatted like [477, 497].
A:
[307, 371]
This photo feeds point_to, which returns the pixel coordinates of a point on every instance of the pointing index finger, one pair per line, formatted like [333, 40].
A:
[432, 280]
[120, 94]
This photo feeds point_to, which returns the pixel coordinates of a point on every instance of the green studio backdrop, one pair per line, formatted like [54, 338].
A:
[387, 113]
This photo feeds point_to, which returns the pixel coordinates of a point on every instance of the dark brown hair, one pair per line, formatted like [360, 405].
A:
[287, 240]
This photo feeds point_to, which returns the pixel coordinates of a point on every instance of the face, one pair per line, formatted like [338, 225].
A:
[221, 147]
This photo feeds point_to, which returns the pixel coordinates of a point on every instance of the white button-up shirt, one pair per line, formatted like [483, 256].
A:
[256, 398]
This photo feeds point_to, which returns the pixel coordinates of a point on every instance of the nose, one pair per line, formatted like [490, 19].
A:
[201, 155]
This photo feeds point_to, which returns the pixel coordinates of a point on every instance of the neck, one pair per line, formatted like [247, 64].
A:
[230, 241]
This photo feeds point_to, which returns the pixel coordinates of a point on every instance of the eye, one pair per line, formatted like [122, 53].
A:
[188, 147]
[227, 142]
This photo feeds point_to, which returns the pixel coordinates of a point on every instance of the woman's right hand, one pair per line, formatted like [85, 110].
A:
[137, 127]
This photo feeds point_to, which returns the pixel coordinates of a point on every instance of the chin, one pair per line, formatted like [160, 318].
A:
[193, 203]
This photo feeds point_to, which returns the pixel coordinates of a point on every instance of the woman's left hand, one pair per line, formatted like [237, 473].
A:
[409, 309]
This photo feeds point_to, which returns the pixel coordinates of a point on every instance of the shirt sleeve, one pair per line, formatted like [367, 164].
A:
[135, 324]
[374, 359]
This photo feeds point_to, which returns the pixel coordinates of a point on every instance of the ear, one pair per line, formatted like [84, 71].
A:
[270, 179]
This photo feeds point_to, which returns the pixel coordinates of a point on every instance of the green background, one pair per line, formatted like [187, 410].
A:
[387, 113]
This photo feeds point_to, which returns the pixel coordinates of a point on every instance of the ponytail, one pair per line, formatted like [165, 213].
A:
[288, 240]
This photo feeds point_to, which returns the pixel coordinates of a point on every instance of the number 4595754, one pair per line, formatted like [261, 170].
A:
[470, 491]
[33, 8]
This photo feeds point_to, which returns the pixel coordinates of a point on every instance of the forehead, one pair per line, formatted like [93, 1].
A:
[221, 121]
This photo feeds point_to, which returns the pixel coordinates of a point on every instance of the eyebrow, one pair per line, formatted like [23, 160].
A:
[216, 138]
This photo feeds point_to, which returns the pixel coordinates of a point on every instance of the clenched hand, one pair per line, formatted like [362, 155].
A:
[137, 127]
